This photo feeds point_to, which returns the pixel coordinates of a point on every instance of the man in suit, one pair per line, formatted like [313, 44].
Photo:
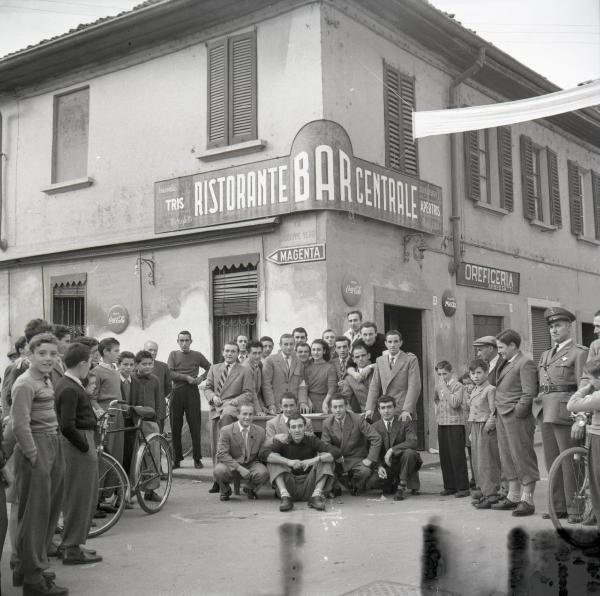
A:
[355, 386]
[486, 349]
[358, 441]
[341, 360]
[300, 467]
[237, 454]
[399, 462]
[282, 372]
[278, 427]
[161, 372]
[516, 387]
[254, 364]
[559, 371]
[396, 374]
[228, 386]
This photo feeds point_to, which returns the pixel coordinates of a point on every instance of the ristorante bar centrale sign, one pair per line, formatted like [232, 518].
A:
[321, 172]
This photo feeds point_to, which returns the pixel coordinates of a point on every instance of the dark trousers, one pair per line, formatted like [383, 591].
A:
[186, 400]
[40, 489]
[80, 490]
[453, 461]
[594, 473]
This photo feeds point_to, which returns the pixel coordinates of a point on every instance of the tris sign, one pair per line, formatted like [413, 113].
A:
[320, 173]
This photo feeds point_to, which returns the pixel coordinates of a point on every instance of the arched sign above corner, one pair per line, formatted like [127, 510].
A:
[351, 290]
[118, 318]
[448, 303]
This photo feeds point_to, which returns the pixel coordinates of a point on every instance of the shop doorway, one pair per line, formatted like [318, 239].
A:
[409, 321]
[587, 334]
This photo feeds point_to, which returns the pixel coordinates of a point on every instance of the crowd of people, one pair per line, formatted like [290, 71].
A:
[364, 387]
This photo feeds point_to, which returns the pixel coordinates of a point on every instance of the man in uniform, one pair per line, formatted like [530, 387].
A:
[559, 371]
[486, 349]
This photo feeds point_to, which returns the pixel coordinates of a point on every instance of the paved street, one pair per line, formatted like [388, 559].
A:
[200, 546]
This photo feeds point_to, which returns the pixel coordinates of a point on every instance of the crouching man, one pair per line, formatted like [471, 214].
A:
[300, 466]
[237, 455]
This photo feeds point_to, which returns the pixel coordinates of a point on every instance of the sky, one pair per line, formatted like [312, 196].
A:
[559, 39]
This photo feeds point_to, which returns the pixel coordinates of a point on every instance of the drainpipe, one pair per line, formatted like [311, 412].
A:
[3, 242]
[454, 148]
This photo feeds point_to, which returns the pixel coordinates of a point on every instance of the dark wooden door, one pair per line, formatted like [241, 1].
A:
[409, 321]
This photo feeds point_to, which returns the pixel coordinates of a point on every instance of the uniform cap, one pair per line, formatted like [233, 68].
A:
[557, 313]
[486, 340]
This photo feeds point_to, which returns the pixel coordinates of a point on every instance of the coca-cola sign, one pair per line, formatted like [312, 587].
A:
[448, 303]
[351, 290]
[118, 318]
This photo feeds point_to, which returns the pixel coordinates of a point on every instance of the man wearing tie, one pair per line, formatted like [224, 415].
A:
[357, 440]
[254, 364]
[282, 372]
[559, 371]
[397, 374]
[237, 455]
[399, 462]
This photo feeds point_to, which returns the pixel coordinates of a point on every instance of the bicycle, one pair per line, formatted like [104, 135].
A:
[582, 531]
[152, 469]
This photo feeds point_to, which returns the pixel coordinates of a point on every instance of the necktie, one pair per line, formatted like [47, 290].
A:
[554, 350]
[222, 379]
[392, 361]
[47, 381]
[287, 363]
[245, 440]
[343, 367]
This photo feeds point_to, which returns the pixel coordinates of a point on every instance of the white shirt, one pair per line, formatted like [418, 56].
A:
[74, 378]
[561, 345]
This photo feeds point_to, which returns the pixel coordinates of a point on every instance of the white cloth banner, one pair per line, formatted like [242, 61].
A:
[438, 122]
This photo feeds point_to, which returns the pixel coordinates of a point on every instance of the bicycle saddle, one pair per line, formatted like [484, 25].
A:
[144, 412]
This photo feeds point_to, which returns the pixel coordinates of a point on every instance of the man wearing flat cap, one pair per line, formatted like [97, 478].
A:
[559, 371]
[486, 349]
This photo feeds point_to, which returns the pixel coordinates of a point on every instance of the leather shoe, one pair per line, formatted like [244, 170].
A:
[250, 493]
[214, 488]
[286, 504]
[523, 509]
[77, 556]
[99, 514]
[53, 550]
[561, 515]
[44, 588]
[150, 495]
[18, 578]
[483, 504]
[225, 493]
[415, 491]
[459, 494]
[399, 496]
[447, 492]
[198, 464]
[317, 503]
[176, 465]
[505, 505]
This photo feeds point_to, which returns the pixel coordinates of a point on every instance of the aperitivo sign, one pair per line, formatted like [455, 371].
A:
[321, 172]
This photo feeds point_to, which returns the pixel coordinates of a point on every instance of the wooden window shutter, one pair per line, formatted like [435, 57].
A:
[540, 336]
[235, 291]
[596, 199]
[471, 142]
[575, 206]
[399, 103]
[528, 188]
[505, 167]
[553, 187]
[242, 107]
[407, 107]
[217, 94]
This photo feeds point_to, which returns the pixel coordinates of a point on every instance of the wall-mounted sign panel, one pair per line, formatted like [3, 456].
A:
[297, 254]
[488, 278]
[321, 172]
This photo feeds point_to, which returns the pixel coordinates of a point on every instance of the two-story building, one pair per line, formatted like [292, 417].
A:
[230, 167]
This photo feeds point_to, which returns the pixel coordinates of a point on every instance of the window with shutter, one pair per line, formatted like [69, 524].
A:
[575, 204]
[555, 212]
[540, 336]
[232, 95]
[399, 104]
[471, 142]
[596, 200]
[527, 177]
[505, 167]
[234, 303]
[487, 325]
[69, 302]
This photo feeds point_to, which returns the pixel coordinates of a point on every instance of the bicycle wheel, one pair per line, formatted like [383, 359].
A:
[575, 461]
[153, 473]
[113, 490]
[186, 440]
